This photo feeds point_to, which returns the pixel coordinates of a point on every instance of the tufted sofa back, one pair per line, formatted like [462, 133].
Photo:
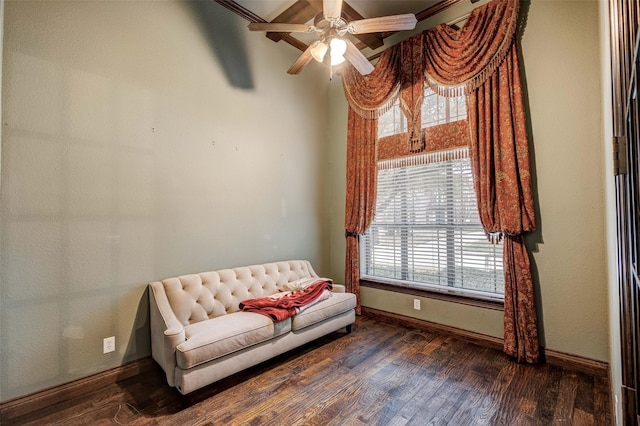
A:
[197, 297]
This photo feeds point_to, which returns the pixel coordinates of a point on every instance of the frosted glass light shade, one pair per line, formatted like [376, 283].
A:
[338, 47]
[319, 50]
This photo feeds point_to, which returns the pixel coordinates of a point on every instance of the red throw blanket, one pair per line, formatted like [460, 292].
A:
[286, 306]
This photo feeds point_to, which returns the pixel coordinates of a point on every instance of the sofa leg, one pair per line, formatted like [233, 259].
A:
[349, 328]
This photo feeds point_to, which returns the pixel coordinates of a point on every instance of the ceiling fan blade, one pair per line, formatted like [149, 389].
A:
[301, 62]
[357, 59]
[332, 9]
[383, 24]
[280, 28]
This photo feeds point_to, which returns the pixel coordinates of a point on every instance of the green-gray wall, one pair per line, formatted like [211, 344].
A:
[128, 156]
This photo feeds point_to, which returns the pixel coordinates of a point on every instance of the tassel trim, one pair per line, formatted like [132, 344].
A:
[373, 113]
[422, 159]
[495, 237]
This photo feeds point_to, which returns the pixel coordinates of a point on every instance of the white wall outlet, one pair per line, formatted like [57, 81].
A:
[416, 304]
[109, 344]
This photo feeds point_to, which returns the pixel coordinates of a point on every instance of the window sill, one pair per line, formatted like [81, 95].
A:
[433, 294]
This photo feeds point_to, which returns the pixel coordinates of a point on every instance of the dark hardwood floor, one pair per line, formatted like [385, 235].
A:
[380, 374]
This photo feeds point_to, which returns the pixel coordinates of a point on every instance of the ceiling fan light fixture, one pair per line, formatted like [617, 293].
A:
[333, 32]
[318, 50]
[338, 48]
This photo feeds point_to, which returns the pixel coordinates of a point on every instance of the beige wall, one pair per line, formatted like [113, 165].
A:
[561, 56]
[567, 123]
[127, 156]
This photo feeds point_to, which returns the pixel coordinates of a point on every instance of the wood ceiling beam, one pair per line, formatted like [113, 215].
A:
[373, 40]
[252, 17]
[303, 11]
[429, 12]
[240, 11]
[420, 16]
[436, 8]
[300, 12]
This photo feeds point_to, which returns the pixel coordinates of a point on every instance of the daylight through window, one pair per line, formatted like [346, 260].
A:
[426, 233]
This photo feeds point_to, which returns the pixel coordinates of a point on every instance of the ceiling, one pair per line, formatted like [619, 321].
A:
[303, 12]
[269, 9]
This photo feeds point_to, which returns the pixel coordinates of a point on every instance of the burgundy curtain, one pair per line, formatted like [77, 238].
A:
[481, 61]
[482, 57]
[369, 97]
[500, 161]
[361, 192]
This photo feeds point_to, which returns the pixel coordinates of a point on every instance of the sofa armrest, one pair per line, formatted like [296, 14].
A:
[166, 331]
[338, 288]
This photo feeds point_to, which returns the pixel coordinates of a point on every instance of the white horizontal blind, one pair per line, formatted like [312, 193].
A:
[426, 232]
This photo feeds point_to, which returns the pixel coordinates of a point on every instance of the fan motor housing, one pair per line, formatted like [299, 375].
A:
[322, 24]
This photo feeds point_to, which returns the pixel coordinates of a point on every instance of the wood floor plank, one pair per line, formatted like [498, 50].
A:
[369, 376]
[381, 387]
[528, 383]
[433, 381]
[602, 407]
[566, 399]
[380, 374]
[525, 412]
[585, 393]
[398, 394]
[582, 418]
[439, 407]
[485, 401]
[548, 395]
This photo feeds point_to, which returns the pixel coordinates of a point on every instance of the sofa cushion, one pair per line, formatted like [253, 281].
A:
[217, 337]
[336, 304]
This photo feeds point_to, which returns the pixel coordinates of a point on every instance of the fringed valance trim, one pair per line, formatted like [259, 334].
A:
[443, 90]
[422, 159]
[474, 82]
[371, 96]
[373, 113]
[450, 85]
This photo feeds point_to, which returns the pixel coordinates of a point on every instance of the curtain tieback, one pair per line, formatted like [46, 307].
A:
[495, 237]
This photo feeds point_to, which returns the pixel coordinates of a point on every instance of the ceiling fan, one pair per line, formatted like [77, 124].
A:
[331, 29]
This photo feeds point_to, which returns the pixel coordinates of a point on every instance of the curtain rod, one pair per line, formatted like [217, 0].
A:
[458, 19]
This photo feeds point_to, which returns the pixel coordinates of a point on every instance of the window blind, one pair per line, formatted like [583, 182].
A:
[426, 232]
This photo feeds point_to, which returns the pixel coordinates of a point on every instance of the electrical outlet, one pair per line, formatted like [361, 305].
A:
[109, 344]
[416, 304]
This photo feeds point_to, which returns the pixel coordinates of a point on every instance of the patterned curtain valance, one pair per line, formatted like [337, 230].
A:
[437, 138]
[370, 96]
[453, 61]
[462, 60]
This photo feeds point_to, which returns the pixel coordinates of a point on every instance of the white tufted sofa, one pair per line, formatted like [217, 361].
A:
[199, 335]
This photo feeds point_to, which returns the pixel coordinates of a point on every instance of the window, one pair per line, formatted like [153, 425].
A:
[440, 110]
[426, 233]
[393, 122]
